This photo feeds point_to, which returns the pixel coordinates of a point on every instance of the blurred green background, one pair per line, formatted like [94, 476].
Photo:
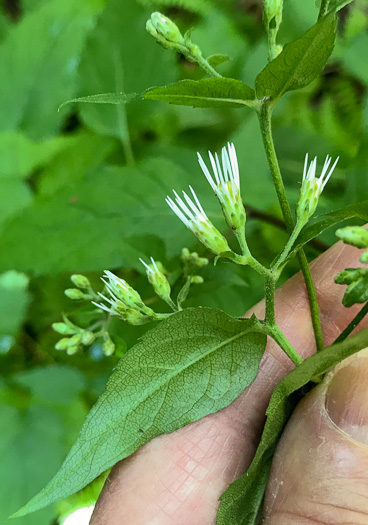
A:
[82, 190]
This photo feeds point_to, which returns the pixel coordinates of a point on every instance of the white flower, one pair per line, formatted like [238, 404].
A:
[158, 280]
[123, 301]
[194, 217]
[226, 185]
[312, 187]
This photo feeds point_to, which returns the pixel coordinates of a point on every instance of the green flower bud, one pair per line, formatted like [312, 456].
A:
[75, 294]
[63, 343]
[63, 329]
[166, 28]
[71, 350]
[108, 347]
[75, 340]
[87, 338]
[272, 13]
[355, 235]
[364, 258]
[350, 275]
[80, 281]
[157, 279]
[197, 279]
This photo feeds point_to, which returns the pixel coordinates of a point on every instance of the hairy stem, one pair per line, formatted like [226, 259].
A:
[202, 62]
[270, 300]
[353, 324]
[323, 10]
[266, 131]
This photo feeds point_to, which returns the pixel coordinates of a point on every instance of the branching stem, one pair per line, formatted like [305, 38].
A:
[266, 131]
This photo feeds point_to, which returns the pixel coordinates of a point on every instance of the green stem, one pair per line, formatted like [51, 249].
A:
[285, 252]
[353, 324]
[323, 10]
[278, 336]
[171, 303]
[266, 131]
[272, 46]
[201, 61]
[270, 300]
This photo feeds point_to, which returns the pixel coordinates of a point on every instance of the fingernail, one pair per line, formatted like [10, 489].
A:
[347, 396]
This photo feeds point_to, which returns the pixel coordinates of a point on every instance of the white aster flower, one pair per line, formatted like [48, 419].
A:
[312, 187]
[158, 280]
[123, 301]
[226, 185]
[194, 217]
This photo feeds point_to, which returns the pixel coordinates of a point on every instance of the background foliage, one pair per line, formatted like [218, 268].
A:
[83, 189]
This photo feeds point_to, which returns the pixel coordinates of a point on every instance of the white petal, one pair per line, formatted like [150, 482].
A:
[218, 176]
[178, 212]
[206, 173]
[149, 269]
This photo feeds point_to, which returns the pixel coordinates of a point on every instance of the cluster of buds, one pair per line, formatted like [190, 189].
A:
[312, 188]
[83, 290]
[168, 35]
[355, 236]
[192, 262]
[78, 337]
[123, 301]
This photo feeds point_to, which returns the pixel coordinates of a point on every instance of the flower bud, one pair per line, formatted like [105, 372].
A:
[108, 347]
[364, 258]
[157, 279]
[87, 338]
[165, 27]
[71, 350]
[80, 281]
[63, 343]
[197, 279]
[121, 290]
[355, 235]
[350, 275]
[63, 329]
[75, 340]
[75, 294]
[272, 13]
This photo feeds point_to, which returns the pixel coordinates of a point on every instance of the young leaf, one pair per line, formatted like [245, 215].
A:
[206, 93]
[241, 502]
[193, 364]
[216, 60]
[103, 98]
[300, 62]
[357, 291]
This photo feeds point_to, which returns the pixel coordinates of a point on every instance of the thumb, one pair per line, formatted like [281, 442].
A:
[320, 469]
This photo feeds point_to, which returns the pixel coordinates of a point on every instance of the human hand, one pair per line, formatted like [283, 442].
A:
[320, 470]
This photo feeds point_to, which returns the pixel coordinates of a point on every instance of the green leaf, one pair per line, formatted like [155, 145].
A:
[196, 6]
[325, 221]
[112, 63]
[41, 73]
[101, 221]
[241, 502]
[300, 62]
[336, 5]
[206, 93]
[14, 299]
[38, 415]
[103, 98]
[193, 364]
[19, 156]
[216, 60]
[357, 291]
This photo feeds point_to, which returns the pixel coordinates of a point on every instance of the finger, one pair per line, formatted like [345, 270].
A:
[180, 476]
[320, 470]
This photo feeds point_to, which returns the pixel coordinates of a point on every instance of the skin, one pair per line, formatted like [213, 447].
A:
[320, 470]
